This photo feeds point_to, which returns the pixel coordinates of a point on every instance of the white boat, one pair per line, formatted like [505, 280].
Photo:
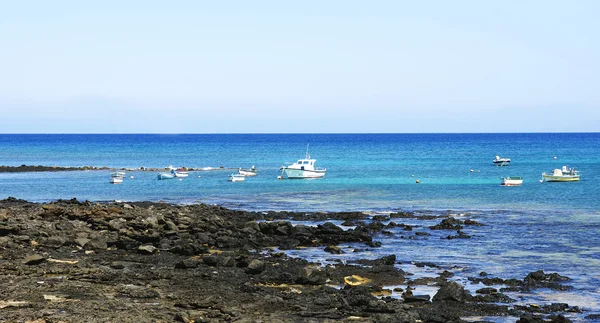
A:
[248, 172]
[180, 173]
[117, 174]
[236, 178]
[559, 176]
[303, 168]
[166, 176]
[501, 161]
[512, 181]
[116, 180]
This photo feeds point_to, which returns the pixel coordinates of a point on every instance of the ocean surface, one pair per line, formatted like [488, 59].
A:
[549, 226]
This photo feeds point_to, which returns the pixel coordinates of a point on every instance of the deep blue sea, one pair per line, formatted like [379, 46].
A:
[549, 226]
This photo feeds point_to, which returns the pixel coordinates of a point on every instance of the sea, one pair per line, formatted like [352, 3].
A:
[538, 225]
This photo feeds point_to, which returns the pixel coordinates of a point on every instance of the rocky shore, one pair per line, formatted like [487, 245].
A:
[72, 261]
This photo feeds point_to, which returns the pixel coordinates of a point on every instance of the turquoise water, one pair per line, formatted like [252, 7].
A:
[549, 226]
[365, 171]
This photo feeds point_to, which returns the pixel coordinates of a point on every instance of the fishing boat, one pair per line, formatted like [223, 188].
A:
[303, 168]
[166, 176]
[559, 176]
[499, 161]
[236, 178]
[248, 172]
[512, 181]
[116, 180]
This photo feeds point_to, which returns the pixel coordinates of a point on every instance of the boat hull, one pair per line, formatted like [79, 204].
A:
[512, 181]
[300, 173]
[181, 175]
[246, 173]
[166, 176]
[564, 178]
[236, 178]
[116, 180]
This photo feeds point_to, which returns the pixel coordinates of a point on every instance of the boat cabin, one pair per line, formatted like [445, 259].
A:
[304, 164]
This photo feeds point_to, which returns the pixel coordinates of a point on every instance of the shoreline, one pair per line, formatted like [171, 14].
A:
[71, 260]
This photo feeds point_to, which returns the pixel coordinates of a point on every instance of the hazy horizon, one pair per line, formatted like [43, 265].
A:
[312, 67]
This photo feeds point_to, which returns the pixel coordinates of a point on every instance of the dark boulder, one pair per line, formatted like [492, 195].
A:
[255, 266]
[34, 259]
[447, 224]
[334, 250]
[451, 291]
[312, 276]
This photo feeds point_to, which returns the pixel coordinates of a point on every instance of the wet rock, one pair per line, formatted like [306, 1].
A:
[380, 218]
[387, 260]
[311, 275]
[416, 298]
[530, 319]
[448, 224]
[373, 244]
[422, 264]
[359, 296]
[487, 291]
[255, 266]
[334, 250]
[328, 228]
[451, 291]
[540, 279]
[472, 222]
[348, 223]
[34, 259]
[560, 319]
[459, 235]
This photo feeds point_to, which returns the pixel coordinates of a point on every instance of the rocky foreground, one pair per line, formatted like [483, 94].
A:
[72, 261]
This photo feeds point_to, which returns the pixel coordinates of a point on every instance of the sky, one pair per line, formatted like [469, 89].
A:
[299, 66]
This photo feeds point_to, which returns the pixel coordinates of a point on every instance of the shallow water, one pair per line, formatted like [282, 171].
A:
[549, 226]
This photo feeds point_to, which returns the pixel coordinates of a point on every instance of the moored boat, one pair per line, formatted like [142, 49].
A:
[512, 181]
[303, 168]
[166, 176]
[559, 176]
[499, 161]
[248, 172]
[236, 178]
[118, 174]
[116, 180]
[180, 173]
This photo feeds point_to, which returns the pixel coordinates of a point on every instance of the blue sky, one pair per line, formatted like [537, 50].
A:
[309, 66]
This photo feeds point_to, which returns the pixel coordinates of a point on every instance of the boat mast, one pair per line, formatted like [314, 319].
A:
[307, 155]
